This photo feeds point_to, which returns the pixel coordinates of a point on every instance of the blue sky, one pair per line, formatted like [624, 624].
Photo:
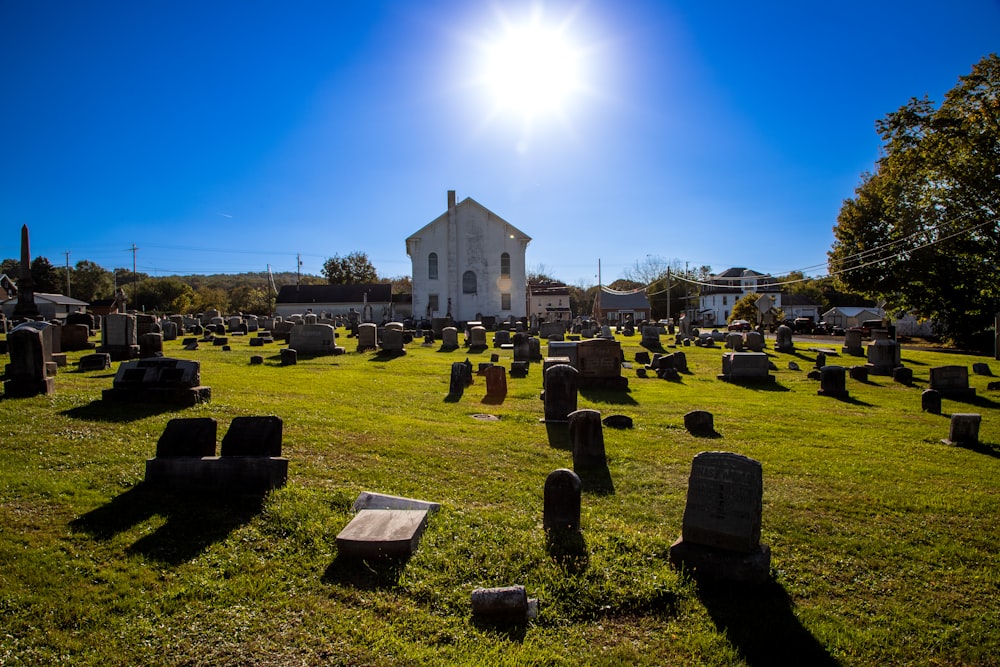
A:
[226, 136]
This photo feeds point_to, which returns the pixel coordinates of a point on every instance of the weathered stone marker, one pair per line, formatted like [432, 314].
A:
[562, 500]
[586, 434]
[964, 429]
[507, 604]
[930, 401]
[560, 392]
[382, 534]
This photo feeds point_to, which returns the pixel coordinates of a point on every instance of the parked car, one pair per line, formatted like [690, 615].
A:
[866, 327]
[739, 325]
[803, 325]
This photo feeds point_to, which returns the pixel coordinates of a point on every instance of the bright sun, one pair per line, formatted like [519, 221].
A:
[532, 69]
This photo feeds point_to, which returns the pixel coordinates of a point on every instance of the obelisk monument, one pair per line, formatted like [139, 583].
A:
[25, 308]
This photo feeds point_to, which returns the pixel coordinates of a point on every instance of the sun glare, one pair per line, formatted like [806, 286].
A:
[532, 69]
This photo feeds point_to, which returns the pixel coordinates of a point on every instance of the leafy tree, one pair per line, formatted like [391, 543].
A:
[250, 299]
[353, 269]
[625, 285]
[89, 281]
[921, 231]
[581, 299]
[167, 295]
[746, 309]
[206, 298]
[12, 268]
[47, 280]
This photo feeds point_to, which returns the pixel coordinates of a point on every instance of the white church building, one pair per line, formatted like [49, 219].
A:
[468, 263]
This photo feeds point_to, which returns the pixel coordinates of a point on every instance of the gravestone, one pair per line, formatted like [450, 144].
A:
[783, 339]
[312, 339]
[382, 534]
[158, 380]
[28, 373]
[560, 392]
[852, 343]
[367, 337]
[192, 436]
[859, 373]
[522, 348]
[150, 345]
[720, 535]
[951, 382]
[617, 421]
[253, 436]
[75, 337]
[964, 429]
[902, 375]
[370, 500]
[477, 338]
[169, 329]
[289, 356]
[562, 501]
[496, 383]
[754, 341]
[700, 423]
[449, 338]
[145, 324]
[501, 337]
[981, 368]
[568, 349]
[642, 357]
[650, 336]
[833, 382]
[392, 341]
[734, 341]
[745, 367]
[504, 605]
[534, 349]
[599, 362]
[883, 357]
[519, 369]
[930, 401]
[256, 360]
[98, 361]
[119, 337]
[459, 380]
[586, 434]
[820, 359]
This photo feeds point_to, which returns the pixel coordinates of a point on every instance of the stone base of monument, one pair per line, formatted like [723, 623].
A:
[22, 388]
[701, 561]
[120, 352]
[375, 534]
[60, 359]
[186, 396]
[225, 474]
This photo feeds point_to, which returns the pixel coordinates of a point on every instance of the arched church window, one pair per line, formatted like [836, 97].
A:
[469, 282]
[432, 266]
[505, 265]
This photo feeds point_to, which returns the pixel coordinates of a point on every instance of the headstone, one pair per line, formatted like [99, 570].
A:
[883, 357]
[192, 436]
[289, 356]
[392, 341]
[720, 536]
[820, 359]
[534, 349]
[150, 345]
[650, 336]
[951, 381]
[98, 361]
[501, 337]
[700, 423]
[902, 375]
[219, 341]
[562, 501]
[169, 330]
[600, 364]
[256, 360]
[449, 338]
[459, 380]
[496, 383]
[586, 434]
[158, 380]
[617, 421]
[642, 357]
[568, 349]
[833, 382]
[119, 337]
[382, 534]
[930, 401]
[754, 341]
[253, 436]
[75, 337]
[25, 308]
[964, 429]
[522, 348]
[561, 382]
[852, 343]
[369, 500]
[503, 605]
[28, 373]
[312, 339]
[783, 339]
[519, 369]
[734, 341]
[748, 367]
[367, 337]
[981, 368]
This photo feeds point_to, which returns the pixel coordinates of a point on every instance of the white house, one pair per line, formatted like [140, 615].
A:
[50, 306]
[337, 300]
[468, 263]
[725, 289]
[549, 301]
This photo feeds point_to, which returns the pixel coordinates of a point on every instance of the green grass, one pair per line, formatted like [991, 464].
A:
[884, 540]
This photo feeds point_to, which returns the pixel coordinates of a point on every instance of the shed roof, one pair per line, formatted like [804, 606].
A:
[377, 293]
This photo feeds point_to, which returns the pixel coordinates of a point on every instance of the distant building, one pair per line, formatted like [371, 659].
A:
[852, 316]
[337, 300]
[7, 287]
[799, 305]
[50, 306]
[725, 289]
[611, 306]
[548, 300]
[468, 263]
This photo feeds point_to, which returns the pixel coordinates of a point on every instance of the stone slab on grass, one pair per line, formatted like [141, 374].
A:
[375, 534]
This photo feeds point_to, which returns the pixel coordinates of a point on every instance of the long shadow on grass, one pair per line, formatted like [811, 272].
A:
[608, 396]
[978, 401]
[193, 522]
[760, 624]
[850, 400]
[983, 448]
[365, 575]
[382, 356]
[110, 411]
[762, 386]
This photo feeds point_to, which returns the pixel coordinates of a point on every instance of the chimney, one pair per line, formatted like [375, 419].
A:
[451, 199]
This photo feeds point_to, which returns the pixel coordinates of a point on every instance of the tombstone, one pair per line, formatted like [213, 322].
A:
[734, 341]
[289, 356]
[392, 341]
[145, 324]
[75, 337]
[562, 501]
[519, 369]
[549, 362]
[477, 338]
[720, 535]
[548, 329]
[599, 362]
[930, 401]
[98, 361]
[191, 436]
[505, 605]
[449, 338]
[560, 392]
[367, 337]
[745, 367]
[534, 349]
[700, 423]
[642, 357]
[833, 382]
[650, 336]
[618, 421]
[81, 318]
[28, 373]
[902, 375]
[783, 339]
[754, 341]
[820, 359]
[256, 360]
[150, 345]
[312, 339]
[158, 380]
[168, 328]
[951, 382]
[859, 373]
[852, 343]
[522, 348]
[494, 358]
[119, 337]
[253, 436]
[458, 381]
[501, 337]
[883, 357]
[368, 500]
[374, 535]
[606, 332]
[964, 429]
[220, 341]
[586, 434]
[567, 349]
[981, 368]
[235, 323]
[496, 383]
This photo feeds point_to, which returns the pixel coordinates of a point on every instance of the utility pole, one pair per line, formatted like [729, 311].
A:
[298, 270]
[67, 273]
[668, 292]
[134, 249]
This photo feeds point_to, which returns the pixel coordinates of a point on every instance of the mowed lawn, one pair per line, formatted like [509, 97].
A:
[884, 540]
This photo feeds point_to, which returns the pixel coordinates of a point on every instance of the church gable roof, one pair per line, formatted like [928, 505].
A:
[469, 203]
